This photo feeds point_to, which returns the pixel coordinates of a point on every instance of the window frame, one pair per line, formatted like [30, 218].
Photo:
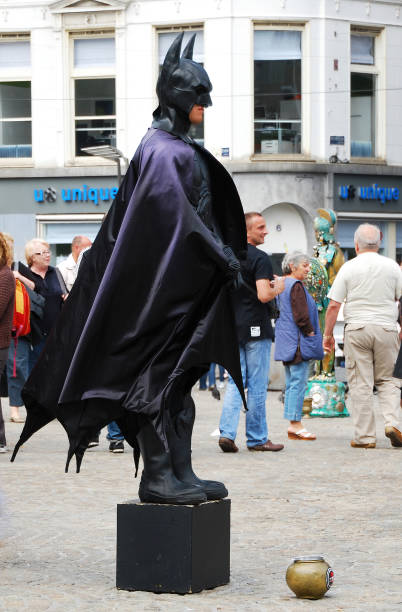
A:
[301, 27]
[87, 74]
[42, 221]
[377, 70]
[17, 75]
[175, 29]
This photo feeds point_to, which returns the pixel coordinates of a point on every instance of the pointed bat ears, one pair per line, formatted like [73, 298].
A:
[172, 57]
[188, 51]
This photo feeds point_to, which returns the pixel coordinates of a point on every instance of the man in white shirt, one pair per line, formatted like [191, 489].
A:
[68, 267]
[370, 286]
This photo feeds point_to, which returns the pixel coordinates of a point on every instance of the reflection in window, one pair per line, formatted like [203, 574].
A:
[15, 54]
[95, 113]
[362, 50]
[94, 52]
[15, 119]
[362, 121]
[277, 91]
[165, 39]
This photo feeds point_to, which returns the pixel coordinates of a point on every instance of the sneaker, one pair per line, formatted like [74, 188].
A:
[3, 448]
[94, 442]
[116, 446]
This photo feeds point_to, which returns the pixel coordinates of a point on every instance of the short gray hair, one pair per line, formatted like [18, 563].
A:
[295, 258]
[368, 237]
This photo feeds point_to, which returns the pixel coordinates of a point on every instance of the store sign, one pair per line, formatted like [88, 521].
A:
[373, 192]
[368, 193]
[94, 195]
[337, 140]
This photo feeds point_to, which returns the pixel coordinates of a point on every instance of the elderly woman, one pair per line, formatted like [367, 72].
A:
[37, 253]
[297, 339]
[7, 295]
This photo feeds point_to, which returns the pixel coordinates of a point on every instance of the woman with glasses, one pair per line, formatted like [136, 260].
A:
[37, 253]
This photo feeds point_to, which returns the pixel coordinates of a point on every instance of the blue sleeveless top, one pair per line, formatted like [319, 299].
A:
[287, 333]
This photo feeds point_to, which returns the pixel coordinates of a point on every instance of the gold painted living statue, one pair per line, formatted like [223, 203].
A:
[330, 256]
[327, 395]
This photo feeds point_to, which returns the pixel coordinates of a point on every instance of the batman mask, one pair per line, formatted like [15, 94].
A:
[182, 83]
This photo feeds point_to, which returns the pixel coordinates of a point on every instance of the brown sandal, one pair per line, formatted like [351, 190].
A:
[302, 434]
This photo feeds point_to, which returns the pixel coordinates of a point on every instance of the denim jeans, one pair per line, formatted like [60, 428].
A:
[211, 376]
[296, 380]
[113, 432]
[35, 353]
[16, 383]
[3, 359]
[254, 361]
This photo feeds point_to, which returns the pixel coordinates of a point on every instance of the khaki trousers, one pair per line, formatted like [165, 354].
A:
[370, 355]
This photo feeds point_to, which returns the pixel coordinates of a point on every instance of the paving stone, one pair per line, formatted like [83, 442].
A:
[58, 531]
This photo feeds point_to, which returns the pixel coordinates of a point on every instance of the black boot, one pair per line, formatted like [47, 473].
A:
[179, 438]
[158, 481]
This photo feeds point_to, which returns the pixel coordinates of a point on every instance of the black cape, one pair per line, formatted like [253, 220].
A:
[150, 308]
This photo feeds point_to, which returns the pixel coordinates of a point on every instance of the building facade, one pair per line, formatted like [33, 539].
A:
[306, 111]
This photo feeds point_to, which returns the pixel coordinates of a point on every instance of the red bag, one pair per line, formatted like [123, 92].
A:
[21, 318]
[22, 311]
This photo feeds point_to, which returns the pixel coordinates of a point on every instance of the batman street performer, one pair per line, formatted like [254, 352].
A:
[151, 309]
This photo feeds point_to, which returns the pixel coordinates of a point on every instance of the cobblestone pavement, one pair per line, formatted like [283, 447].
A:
[58, 536]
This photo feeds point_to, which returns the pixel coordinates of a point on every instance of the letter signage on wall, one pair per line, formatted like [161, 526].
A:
[91, 195]
[359, 193]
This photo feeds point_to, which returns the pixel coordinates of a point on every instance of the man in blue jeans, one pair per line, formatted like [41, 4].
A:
[255, 338]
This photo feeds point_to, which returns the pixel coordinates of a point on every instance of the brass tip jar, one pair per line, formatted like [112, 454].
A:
[309, 577]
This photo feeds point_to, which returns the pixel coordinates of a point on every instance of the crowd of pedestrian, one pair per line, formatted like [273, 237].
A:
[370, 287]
[46, 288]
[372, 339]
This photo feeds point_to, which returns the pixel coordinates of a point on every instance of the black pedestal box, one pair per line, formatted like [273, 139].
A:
[172, 549]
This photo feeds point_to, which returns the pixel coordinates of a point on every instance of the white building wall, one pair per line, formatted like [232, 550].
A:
[218, 44]
[228, 29]
[393, 74]
[242, 92]
[47, 98]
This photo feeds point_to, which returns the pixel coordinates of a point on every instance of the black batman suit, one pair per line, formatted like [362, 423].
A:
[151, 305]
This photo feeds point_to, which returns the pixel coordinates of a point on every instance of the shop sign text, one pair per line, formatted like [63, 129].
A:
[372, 192]
[95, 195]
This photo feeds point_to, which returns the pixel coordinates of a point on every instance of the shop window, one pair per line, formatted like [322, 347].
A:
[165, 39]
[345, 232]
[398, 253]
[15, 119]
[95, 113]
[94, 91]
[362, 49]
[15, 97]
[59, 231]
[363, 102]
[277, 91]
[15, 54]
[362, 110]
[90, 53]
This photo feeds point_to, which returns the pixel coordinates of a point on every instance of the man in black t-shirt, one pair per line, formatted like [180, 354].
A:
[255, 338]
